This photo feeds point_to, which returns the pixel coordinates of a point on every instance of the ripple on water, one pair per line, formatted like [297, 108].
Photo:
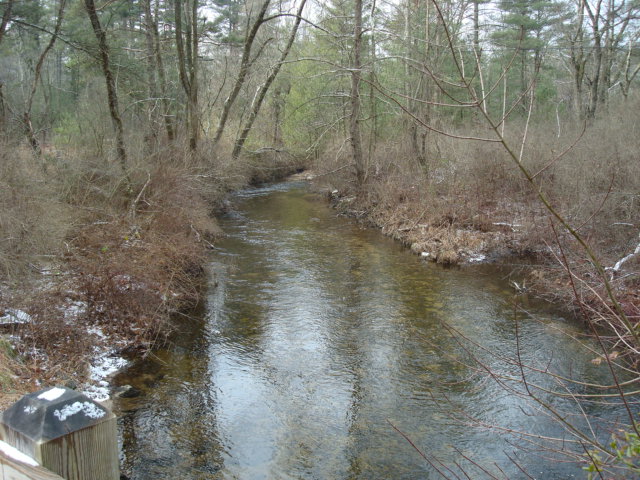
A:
[318, 336]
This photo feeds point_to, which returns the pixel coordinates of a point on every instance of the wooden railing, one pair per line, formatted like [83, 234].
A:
[12, 469]
[58, 433]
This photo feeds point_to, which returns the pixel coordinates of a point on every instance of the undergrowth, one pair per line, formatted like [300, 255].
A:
[100, 259]
[468, 201]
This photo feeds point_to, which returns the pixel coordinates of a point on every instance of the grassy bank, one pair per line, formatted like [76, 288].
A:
[97, 262]
[468, 202]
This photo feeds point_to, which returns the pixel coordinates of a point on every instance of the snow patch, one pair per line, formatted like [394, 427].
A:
[74, 310]
[89, 409]
[513, 226]
[477, 258]
[17, 455]
[106, 366]
[97, 331]
[52, 394]
[103, 367]
[12, 315]
[30, 409]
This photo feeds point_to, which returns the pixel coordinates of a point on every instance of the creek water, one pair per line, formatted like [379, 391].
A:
[318, 337]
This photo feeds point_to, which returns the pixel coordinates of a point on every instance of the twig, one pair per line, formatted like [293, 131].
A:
[134, 204]
[420, 452]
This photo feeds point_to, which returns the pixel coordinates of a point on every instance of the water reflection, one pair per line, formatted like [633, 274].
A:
[316, 335]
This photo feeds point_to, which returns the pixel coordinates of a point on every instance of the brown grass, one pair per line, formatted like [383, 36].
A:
[470, 198]
[121, 261]
[474, 188]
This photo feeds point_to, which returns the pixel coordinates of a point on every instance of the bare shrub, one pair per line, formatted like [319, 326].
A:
[33, 219]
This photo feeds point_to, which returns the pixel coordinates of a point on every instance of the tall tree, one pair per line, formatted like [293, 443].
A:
[6, 16]
[112, 94]
[187, 48]
[26, 117]
[525, 24]
[245, 65]
[161, 76]
[354, 95]
[264, 88]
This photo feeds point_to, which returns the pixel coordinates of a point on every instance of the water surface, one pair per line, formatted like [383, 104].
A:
[318, 336]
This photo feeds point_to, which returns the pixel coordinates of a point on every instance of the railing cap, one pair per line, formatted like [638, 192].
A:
[52, 413]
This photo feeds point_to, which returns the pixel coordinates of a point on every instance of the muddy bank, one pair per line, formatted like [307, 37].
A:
[124, 278]
[453, 231]
[445, 240]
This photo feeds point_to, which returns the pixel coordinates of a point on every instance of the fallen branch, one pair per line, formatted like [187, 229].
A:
[616, 268]
[134, 204]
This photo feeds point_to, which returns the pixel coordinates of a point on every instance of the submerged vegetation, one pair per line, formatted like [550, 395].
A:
[466, 129]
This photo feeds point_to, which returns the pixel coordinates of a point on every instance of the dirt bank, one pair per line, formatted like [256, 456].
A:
[128, 270]
[456, 229]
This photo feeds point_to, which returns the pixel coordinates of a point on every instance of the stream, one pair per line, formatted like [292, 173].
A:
[323, 350]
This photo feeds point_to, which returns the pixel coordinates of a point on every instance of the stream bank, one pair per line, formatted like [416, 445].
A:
[459, 228]
[128, 272]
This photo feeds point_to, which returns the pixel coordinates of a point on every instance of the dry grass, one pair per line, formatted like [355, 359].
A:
[474, 187]
[33, 219]
[470, 198]
[122, 255]
[12, 374]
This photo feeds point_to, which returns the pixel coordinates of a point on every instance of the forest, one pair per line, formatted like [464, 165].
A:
[470, 130]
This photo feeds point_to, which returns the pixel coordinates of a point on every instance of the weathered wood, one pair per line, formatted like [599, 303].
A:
[65, 432]
[13, 469]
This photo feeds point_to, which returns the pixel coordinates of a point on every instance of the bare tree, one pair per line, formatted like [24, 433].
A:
[264, 88]
[26, 117]
[103, 51]
[159, 64]
[608, 22]
[354, 95]
[6, 16]
[188, 59]
[152, 67]
[245, 65]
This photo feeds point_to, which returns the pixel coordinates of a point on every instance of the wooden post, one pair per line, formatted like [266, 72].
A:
[17, 466]
[65, 432]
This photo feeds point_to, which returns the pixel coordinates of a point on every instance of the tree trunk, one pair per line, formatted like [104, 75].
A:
[188, 57]
[476, 28]
[356, 72]
[152, 67]
[26, 117]
[257, 103]
[242, 74]
[278, 103]
[2, 110]
[594, 80]
[166, 109]
[193, 73]
[112, 95]
[6, 16]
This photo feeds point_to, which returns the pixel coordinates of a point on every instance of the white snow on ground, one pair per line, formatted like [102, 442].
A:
[477, 258]
[103, 366]
[74, 309]
[12, 315]
[97, 331]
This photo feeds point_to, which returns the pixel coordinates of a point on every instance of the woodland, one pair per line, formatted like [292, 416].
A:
[467, 129]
